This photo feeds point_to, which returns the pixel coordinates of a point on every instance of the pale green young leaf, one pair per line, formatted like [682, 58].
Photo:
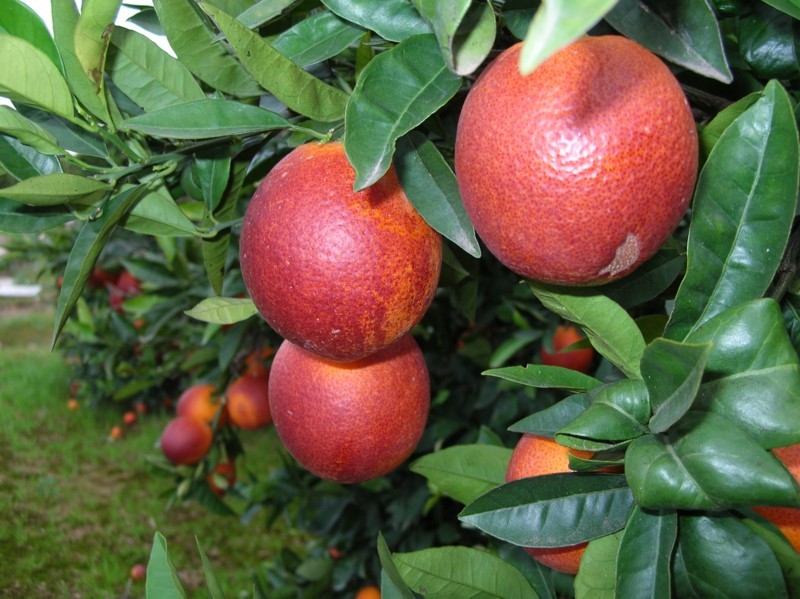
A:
[162, 578]
[14, 124]
[20, 20]
[223, 310]
[92, 36]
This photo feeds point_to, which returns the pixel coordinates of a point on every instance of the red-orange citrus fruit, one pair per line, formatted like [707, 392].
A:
[350, 421]
[574, 359]
[186, 440]
[248, 402]
[787, 519]
[576, 173]
[222, 477]
[536, 456]
[368, 592]
[200, 402]
[337, 272]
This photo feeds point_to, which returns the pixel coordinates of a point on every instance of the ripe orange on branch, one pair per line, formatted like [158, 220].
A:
[338, 272]
[578, 172]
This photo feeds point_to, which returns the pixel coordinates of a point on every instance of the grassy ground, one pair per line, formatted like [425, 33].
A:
[78, 510]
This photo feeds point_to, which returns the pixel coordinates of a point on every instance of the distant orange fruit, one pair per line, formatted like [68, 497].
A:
[337, 272]
[254, 362]
[116, 432]
[186, 440]
[535, 456]
[200, 402]
[222, 477]
[578, 172]
[73, 404]
[129, 418]
[248, 402]
[787, 519]
[138, 572]
[576, 359]
[368, 592]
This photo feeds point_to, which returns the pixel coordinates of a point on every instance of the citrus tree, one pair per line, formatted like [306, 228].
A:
[675, 433]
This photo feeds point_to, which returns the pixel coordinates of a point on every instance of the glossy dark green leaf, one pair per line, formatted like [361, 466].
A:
[299, 90]
[19, 218]
[595, 578]
[397, 91]
[20, 20]
[65, 20]
[672, 372]
[645, 554]
[461, 572]
[93, 35]
[30, 77]
[768, 42]
[162, 578]
[211, 171]
[464, 472]
[203, 119]
[212, 584]
[317, 38]
[23, 162]
[192, 40]
[648, 281]
[790, 7]
[465, 30]
[52, 189]
[556, 24]
[618, 412]
[147, 74]
[539, 576]
[753, 372]
[90, 242]
[685, 32]
[718, 556]
[394, 20]
[705, 462]
[548, 422]
[432, 189]
[608, 326]
[545, 377]
[710, 134]
[787, 556]
[746, 198]
[68, 136]
[158, 214]
[223, 310]
[391, 580]
[215, 249]
[553, 510]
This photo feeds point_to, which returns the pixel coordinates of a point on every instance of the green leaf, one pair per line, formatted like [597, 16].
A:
[710, 134]
[92, 36]
[30, 77]
[556, 24]
[608, 326]
[18, 19]
[685, 32]
[718, 556]
[317, 38]
[396, 91]
[211, 171]
[554, 510]
[391, 579]
[618, 412]
[68, 136]
[158, 214]
[215, 249]
[539, 576]
[148, 75]
[90, 242]
[645, 554]
[545, 377]
[753, 373]
[705, 462]
[14, 124]
[23, 162]
[595, 579]
[547, 422]
[461, 572]
[204, 119]
[465, 31]
[672, 372]
[393, 20]
[432, 189]
[19, 218]
[53, 189]
[464, 472]
[746, 198]
[518, 15]
[65, 20]
[790, 7]
[786, 555]
[263, 12]
[162, 580]
[191, 38]
[767, 43]
[299, 90]
[223, 310]
[212, 584]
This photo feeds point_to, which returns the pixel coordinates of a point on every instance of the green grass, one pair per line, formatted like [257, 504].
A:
[78, 510]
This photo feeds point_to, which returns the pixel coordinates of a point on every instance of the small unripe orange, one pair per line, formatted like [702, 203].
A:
[337, 272]
[350, 421]
[186, 440]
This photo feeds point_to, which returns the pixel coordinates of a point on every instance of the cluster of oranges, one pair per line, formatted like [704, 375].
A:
[343, 276]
